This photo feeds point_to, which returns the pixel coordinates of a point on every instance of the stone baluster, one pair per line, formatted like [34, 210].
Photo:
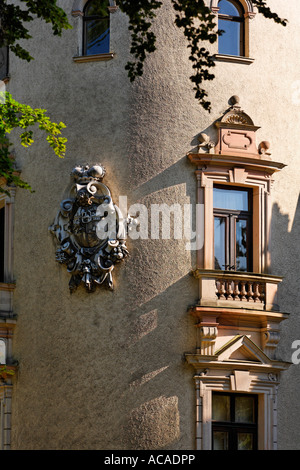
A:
[236, 290]
[221, 289]
[250, 292]
[243, 290]
[229, 290]
[256, 294]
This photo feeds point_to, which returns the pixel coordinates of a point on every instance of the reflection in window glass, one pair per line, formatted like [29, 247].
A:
[241, 244]
[231, 22]
[221, 408]
[227, 8]
[244, 409]
[245, 441]
[219, 236]
[229, 42]
[220, 440]
[233, 199]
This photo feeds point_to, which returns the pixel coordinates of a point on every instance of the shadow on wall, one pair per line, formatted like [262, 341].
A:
[156, 396]
[285, 262]
[285, 258]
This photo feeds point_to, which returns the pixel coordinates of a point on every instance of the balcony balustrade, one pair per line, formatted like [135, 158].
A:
[238, 289]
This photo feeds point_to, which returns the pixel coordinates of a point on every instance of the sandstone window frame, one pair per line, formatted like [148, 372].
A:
[248, 15]
[7, 284]
[266, 391]
[78, 14]
[7, 317]
[237, 313]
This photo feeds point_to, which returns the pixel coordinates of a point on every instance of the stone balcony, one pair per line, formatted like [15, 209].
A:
[232, 303]
[233, 289]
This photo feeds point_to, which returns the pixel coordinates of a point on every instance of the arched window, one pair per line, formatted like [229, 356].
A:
[96, 27]
[231, 19]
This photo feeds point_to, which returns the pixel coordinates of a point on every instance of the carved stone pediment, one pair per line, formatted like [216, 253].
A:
[90, 230]
[241, 348]
[237, 133]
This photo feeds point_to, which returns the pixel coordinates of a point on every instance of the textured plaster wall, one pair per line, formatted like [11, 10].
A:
[105, 370]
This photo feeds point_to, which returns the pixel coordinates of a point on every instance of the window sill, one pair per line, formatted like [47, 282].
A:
[94, 57]
[233, 59]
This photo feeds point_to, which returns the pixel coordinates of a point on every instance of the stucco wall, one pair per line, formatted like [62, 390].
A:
[106, 370]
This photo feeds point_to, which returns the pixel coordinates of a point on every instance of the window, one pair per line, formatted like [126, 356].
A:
[234, 421]
[231, 22]
[3, 63]
[232, 228]
[2, 233]
[96, 27]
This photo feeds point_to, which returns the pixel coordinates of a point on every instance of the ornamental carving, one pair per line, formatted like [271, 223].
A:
[90, 230]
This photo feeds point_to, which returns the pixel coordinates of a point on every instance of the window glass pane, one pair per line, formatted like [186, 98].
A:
[97, 36]
[3, 62]
[234, 199]
[245, 441]
[220, 440]
[221, 407]
[229, 41]
[2, 219]
[241, 245]
[244, 409]
[219, 239]
[97, 7]
[227, 8]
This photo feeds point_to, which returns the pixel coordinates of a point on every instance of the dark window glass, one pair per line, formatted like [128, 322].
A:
[232, 228]
[231, 22]
[2, 221]
[3, 62]
[96, 27]
[234, 421]
[241, 244]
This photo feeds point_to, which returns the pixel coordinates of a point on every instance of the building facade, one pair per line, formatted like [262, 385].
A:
[179, 330]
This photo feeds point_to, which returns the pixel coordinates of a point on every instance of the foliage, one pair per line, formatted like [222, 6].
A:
[13, 114]
[5, 371]
[192, 16]
[198, 25]
[16, 115]
[14, 18]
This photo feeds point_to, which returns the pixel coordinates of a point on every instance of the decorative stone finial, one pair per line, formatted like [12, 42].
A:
[234, 101]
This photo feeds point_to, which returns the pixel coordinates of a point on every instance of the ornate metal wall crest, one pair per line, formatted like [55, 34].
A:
[90, 230]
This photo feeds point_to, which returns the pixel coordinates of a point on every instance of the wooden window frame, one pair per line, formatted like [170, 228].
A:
[231, 216]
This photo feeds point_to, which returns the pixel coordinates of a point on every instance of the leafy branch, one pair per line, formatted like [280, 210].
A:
[14, 18]
[5, 371]
[16, 115]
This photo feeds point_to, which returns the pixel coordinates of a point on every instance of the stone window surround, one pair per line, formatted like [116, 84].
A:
[266, 389]
[245, 363]
[7, 287]
[77, 12]
[249, 14]
[7, 320]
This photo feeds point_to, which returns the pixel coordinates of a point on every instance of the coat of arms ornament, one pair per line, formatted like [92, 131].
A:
[90, 230]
